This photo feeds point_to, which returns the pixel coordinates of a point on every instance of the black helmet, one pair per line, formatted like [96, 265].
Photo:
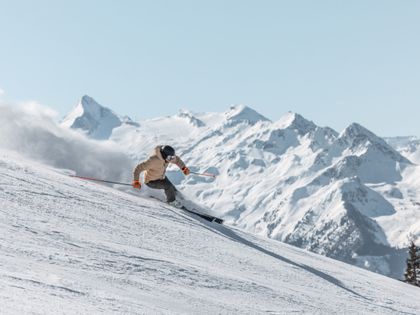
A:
[166, 151]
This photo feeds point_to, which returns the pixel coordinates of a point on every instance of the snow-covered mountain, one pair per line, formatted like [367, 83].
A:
[73, 247]
[348, 195]
[407, 146]
[94, 119]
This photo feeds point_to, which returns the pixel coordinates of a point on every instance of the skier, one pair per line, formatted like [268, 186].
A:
[155, 168]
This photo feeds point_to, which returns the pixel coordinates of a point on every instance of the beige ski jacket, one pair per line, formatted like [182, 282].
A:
[155, 166]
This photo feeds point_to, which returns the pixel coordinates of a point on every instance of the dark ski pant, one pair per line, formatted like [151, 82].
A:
[170, 189]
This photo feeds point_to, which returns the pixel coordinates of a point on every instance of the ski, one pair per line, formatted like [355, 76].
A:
[207, 217]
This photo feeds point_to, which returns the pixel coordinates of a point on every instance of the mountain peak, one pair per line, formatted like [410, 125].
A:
[297, 122]
[91, 106]
[355, 136]
[190, 118]
[92, 118]
[357, 130]
[244, 113]
[86, 99]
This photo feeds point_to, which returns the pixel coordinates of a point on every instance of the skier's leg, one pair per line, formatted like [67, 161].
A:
[170, 190]
[165, 184]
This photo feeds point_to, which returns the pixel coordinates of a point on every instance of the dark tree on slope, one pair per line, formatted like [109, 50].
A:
[412, 273]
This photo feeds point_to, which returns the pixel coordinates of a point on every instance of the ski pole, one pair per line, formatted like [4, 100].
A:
[100, 180]
[204, 174]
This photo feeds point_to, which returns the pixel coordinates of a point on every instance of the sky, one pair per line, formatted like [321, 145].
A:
[334, 62]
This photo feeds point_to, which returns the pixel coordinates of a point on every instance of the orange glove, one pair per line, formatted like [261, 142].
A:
[186, 170]
[136, 184]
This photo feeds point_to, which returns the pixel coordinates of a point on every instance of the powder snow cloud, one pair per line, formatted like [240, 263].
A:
[31, 130]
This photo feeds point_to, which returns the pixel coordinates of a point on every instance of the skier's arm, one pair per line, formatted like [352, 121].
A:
[140, 168]
[181, 165]
[177, 160]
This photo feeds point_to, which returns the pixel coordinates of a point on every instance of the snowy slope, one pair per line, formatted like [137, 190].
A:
[74, 247]
[348, 195]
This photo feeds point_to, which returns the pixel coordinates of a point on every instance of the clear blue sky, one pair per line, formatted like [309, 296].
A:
[334, 62]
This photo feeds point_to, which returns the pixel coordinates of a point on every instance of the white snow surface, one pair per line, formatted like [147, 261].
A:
[74, 247]
[348, 195]
[345, 195]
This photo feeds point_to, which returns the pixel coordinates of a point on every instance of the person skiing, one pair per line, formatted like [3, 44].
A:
[155, 168]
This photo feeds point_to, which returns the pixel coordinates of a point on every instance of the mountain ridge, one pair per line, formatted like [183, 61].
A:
[269, 173]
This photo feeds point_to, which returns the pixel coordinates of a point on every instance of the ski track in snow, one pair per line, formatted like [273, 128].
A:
[74, 247]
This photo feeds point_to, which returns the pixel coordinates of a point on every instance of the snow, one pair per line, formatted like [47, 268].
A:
[347, 195]
[297, 122]
[407, 146]
[75, 247]
[33, 132]
[95, 120]
[238, 113]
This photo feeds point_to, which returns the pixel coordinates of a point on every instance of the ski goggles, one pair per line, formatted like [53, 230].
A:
[170, 158]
